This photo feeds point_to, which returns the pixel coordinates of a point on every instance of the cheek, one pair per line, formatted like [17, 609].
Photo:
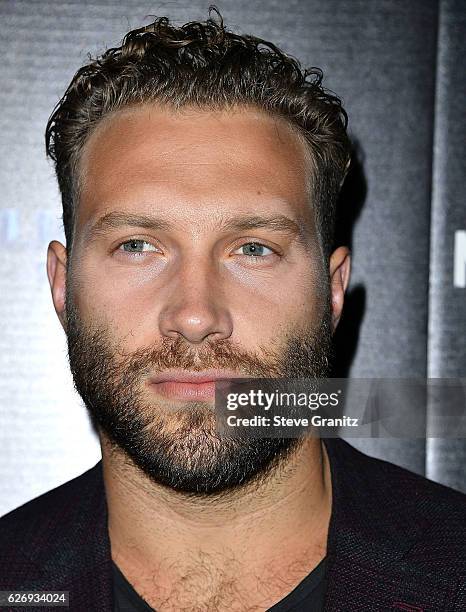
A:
[308, 300]
[264, 311]
[122, 303]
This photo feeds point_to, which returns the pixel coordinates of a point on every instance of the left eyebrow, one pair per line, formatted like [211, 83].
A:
[277, 223]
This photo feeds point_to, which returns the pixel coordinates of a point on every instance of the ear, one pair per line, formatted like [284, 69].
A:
[340, 266]
[56, 271]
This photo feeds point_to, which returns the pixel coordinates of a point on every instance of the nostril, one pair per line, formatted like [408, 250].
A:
[195, 322]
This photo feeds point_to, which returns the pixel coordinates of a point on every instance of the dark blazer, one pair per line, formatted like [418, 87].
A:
[397, 541]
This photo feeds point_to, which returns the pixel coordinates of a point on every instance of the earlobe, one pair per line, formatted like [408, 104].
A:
[56, 272]
[340, 267]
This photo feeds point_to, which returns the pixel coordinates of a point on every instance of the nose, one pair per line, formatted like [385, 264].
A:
[195, 307]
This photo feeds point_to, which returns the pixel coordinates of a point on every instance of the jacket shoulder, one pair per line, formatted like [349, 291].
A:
[421, 521]
[396, 539]
[27, 529]
[416, 492]
[48, 502]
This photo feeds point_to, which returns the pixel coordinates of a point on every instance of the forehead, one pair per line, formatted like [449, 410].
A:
[150, 156]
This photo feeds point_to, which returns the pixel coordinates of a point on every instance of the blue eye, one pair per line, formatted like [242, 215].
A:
[254, 249]
[137, 246]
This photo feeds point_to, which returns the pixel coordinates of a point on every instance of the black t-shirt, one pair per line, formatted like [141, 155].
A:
[308, 596]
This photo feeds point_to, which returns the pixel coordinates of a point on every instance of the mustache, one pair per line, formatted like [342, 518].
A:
[175, 353]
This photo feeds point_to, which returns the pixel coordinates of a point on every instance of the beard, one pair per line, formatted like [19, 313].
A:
[176, 444]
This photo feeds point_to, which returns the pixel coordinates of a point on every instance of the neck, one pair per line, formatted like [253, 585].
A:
[268, 524]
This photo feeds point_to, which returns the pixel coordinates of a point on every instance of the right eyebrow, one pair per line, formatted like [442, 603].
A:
[114, 220]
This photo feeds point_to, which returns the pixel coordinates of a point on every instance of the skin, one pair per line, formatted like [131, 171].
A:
[196, 170]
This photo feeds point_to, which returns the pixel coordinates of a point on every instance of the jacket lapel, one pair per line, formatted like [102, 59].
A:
[76, 556]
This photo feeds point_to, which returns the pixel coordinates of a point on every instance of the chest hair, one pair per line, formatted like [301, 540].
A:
[206, 586]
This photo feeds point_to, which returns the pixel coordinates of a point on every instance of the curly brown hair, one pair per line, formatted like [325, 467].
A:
[202, 64]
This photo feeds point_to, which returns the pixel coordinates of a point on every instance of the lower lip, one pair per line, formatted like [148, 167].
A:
[185, 391]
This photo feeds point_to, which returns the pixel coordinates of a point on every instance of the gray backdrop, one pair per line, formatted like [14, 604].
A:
[399, 66]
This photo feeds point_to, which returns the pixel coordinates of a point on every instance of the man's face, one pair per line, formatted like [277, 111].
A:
[195, 251]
